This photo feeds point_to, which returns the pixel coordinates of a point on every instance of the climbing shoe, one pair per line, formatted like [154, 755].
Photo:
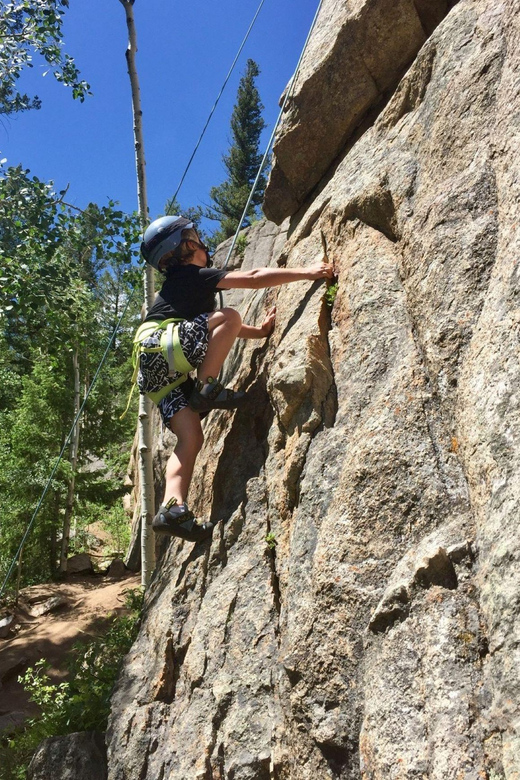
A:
[213, 395]
[176, 519]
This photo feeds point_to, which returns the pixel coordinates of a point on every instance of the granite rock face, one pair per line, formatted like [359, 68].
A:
[356, 614]
[79, 756]
[358, 52]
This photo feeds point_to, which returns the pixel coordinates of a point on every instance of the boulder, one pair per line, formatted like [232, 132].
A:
[117, 569]
[79, 756]
[5, 626]
[9, 721]
[79, 564]
[12, 667]
[50, 605]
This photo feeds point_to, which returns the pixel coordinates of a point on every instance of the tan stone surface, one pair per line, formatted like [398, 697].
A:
[377, 635]
[357, 53]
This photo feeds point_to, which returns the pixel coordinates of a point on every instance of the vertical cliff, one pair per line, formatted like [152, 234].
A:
[356, 614]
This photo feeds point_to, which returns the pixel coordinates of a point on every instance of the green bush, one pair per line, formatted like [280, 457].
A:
[82, 703]
[116, 524]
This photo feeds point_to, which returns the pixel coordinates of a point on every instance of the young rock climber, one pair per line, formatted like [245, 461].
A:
[201, 336]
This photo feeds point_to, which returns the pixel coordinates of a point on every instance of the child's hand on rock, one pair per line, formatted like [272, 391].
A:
[267, 325]
[321, 271]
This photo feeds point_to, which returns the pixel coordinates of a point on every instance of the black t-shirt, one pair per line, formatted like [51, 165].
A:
[188, 290]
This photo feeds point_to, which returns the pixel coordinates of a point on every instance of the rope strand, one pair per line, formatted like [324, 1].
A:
[271, 139]
[78, 416]
[218, 98]
[130, 298]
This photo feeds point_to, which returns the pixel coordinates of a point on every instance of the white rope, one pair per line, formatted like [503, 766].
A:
[218, 98]
[271, 139]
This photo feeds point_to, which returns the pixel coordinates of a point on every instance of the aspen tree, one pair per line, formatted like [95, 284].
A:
[26, 27]
[145, 405]
[73, 460]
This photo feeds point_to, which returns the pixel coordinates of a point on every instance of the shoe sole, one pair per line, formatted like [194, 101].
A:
[178, 531]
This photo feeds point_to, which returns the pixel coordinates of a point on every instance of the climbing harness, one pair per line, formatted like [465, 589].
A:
[171, 349]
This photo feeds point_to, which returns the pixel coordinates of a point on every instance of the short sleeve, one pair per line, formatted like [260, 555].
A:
[210, 277]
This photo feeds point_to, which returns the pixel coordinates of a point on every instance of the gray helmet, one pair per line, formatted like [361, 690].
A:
[161, 236]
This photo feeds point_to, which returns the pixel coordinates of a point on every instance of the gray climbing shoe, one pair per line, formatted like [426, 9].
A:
[213, 395]
[175, 519]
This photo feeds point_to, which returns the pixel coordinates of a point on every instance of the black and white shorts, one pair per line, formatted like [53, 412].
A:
[153, 368]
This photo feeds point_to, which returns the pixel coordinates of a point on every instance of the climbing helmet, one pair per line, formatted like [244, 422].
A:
[163, 235]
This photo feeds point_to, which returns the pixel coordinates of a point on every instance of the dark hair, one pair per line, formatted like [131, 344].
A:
[182, 254]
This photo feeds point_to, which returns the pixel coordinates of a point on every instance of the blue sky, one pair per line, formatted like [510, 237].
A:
[185, 51]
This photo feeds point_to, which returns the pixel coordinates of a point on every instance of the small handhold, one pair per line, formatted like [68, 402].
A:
[437, 570]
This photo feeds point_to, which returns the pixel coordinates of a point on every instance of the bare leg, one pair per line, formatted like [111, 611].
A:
[179, 469]
[224, 326]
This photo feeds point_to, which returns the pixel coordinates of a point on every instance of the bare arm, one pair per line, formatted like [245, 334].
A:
[261, 332]
[258, 278]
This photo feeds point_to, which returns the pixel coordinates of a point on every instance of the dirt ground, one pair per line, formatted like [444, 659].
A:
[90, 601]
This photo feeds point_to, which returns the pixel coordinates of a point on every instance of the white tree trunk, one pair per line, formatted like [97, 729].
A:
[73, 460]
[145, 405]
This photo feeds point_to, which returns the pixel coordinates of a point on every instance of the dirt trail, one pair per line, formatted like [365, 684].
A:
[90, 601]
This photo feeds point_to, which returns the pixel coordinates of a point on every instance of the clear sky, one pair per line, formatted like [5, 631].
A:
[185, 51]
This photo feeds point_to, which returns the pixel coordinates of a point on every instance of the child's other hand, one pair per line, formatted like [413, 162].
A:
[267, 325]
[321, 271]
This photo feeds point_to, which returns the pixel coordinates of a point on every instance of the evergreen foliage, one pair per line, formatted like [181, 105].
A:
[66, 276]
[27, 27]
[241, 162]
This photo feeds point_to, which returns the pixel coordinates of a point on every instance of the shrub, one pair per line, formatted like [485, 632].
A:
[241, 245]
[330, 294]
[82, 703]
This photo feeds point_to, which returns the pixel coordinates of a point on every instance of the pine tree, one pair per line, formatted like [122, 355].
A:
[242, 161]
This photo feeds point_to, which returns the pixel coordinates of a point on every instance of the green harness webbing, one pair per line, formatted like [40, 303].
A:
[170, 346]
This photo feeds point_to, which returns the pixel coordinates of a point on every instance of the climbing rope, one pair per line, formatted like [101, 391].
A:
[268, 148]
[271, 139]
[80, 412]
[239, 52]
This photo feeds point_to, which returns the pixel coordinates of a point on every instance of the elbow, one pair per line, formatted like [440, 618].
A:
[254, 278]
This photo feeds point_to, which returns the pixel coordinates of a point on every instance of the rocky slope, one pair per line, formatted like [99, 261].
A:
[356, 614]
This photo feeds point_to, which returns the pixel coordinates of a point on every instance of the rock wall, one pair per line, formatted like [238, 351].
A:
[356, 614]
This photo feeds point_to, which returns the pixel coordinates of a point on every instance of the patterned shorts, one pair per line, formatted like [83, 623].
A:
[153, 368]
